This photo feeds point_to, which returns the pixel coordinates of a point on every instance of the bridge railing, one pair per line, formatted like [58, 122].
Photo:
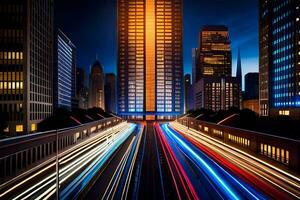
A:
[281, 152]
[19, 154]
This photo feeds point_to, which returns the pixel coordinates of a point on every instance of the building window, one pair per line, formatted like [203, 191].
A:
[278, 154]
[19, 128]
[284, 112]
[33, 127]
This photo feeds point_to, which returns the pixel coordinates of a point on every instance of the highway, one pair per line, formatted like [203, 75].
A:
[77, 167]
[151, 160]
[256, 178]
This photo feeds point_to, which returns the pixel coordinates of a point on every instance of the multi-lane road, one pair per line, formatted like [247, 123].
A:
[214, 170]
[150, 160]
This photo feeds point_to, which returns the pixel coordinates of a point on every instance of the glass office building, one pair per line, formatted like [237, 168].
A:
[279, 58]
[150, 58]
[64, 69]
[26, 63]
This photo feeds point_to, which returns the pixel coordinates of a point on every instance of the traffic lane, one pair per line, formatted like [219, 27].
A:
[103, 178]
[178, 177]
[151, 182]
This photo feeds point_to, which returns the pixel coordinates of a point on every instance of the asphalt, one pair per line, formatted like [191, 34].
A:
[151, 181]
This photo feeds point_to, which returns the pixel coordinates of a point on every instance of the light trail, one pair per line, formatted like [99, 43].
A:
[185, 181]
[229, 186]
[248, 162]
[118, 186]
[81, 156]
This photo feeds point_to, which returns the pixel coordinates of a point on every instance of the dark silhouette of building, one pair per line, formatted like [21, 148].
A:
[80, 80]
[195, 70]
[81, 89]
[110, 92]
[187, 94]
[251, 85]
[26, 63]
[251, 96]
[239, 68]
[96, 88]
[150, 74]
[279, 58]
[64, 72]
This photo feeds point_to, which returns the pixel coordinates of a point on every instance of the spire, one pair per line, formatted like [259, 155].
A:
[239, 67]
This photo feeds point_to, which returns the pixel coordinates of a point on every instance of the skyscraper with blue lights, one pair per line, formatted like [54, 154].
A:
[279, 63]
[150, 72]
[64, 71]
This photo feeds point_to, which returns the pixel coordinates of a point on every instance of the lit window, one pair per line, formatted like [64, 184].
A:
[33, 127]
[297, 19]
[19, 128]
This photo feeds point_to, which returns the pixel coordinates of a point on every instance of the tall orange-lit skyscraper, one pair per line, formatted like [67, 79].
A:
[150, 58]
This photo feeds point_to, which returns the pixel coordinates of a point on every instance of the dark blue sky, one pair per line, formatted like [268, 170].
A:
[91, 24]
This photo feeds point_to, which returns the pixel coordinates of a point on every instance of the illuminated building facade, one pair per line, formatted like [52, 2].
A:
[215, 88]
[279, 62]
[213, 53]
[26, 63]
[215, 93]
[64, 70]
[150, 58]
[96, 86]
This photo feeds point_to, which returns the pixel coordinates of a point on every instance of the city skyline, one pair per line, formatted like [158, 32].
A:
[147, 130]
[99, 21]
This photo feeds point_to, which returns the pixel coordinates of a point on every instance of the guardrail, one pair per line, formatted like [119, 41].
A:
[282, 152]
[21, 153]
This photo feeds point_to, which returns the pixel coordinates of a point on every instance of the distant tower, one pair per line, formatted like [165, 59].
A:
[96, 90]
[239, 67]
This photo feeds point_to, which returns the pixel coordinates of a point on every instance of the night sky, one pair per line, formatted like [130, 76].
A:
[91, 25]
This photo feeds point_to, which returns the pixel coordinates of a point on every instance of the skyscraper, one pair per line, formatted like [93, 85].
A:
[213, 53]
[110, 92]
[26, 62]
[279, 58]
[150, 74]
[96, 88]
[215, 88]
[64, 70]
